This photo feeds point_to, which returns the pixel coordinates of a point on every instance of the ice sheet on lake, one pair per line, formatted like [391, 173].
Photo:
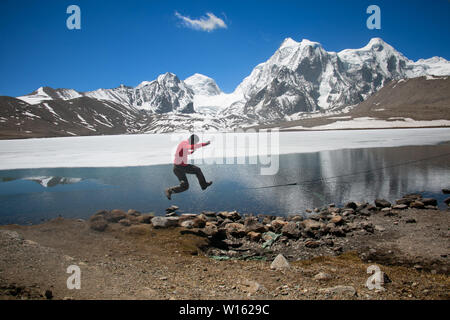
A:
[151, 149]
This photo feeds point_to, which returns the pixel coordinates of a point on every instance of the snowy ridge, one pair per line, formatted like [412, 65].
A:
[298, 80]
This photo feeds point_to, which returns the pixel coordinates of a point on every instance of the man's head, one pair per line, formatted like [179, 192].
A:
[193, 139]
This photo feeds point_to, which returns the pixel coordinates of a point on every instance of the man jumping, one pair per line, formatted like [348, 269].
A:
[181, 167]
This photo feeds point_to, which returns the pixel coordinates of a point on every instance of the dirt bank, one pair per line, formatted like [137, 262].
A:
[140, 261]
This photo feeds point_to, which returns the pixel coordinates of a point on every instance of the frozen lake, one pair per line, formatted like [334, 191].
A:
[74, 177]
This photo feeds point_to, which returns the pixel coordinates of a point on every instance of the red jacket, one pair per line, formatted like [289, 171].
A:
[183, 149]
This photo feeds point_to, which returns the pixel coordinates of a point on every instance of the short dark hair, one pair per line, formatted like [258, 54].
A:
[193, 139]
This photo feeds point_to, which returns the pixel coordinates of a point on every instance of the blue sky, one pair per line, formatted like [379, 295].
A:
[135, 40]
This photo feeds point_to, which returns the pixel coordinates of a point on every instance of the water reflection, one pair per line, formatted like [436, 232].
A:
[323, 177]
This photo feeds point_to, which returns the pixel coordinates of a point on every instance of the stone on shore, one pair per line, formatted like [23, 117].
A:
[164, 222]
[322, 276]
[381, 203]
[115, 215]
[98, 223]
[235, 229]
[290, 230]
[280, 263]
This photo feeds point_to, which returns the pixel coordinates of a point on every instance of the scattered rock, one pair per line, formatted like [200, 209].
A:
[351, 205]
[172, 208]
[312, 244]
[337, 220]
[381, 203]
[322, 276]
[254, 236]
[235, 229]
[417, 204]
[290, 230]
[125, 222]
[251, 287]
[133, 212]
[429, 202]
[145, 218]
[252, 224]
[279, 263]
[400, 206]
[164, 222]
[232, 215]
[277, 224]
[411, 220]
[116, 215]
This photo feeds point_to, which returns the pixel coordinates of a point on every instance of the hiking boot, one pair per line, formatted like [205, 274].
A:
[207, 185]
[168, 193]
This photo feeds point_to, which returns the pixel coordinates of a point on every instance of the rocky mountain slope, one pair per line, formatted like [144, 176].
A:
[417, 102]
[299, 79]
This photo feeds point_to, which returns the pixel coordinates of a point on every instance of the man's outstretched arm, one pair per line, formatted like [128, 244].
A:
[193, 147]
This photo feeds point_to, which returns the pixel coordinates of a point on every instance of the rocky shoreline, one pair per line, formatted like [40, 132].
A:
[322, 254]
[329, 230]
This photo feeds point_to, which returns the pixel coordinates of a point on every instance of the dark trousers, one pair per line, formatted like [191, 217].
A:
[181, 171]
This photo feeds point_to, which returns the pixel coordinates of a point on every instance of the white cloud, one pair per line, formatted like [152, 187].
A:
[208, 23]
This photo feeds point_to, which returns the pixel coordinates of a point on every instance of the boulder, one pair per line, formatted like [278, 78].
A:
[125, 222]
[429, 201]
[133, 212]
[400, 206]
[446, 191]
[254, 236]
[145, 218]
[311, 224]
[164, 222]
[381, 203]
[187, 224]
[337, 220]
[277, 224]
[337, 231]
[235, 229]
[417, 204]
[290, 230]
[252, 224]
[447, 201]
[232, 215]
[209, 213]
[172, 208]
[350, 205]
[312, 244]
[279, 263]
[116, 215]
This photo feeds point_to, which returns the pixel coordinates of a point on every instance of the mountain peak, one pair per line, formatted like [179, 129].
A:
[168, 76]
[306, 42]
[289, 42]
[374, 42]
[202, 85]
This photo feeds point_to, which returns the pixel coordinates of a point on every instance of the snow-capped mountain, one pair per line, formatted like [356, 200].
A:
[300, 77]
[304, 77]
